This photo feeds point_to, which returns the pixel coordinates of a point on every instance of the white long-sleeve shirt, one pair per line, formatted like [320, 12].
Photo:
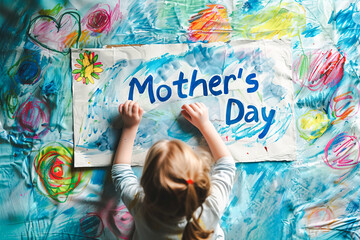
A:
[132, 194]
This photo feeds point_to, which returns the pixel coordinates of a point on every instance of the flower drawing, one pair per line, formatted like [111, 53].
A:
[88, 67]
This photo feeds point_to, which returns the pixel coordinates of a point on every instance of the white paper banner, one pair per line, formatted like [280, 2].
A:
[245, 84]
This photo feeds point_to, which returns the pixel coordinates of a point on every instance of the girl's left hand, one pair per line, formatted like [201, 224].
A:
[131, 113]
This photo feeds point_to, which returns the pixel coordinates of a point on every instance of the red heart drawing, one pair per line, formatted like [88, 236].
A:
[57, 35]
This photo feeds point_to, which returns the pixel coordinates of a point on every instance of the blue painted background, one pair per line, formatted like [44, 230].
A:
[43, 197]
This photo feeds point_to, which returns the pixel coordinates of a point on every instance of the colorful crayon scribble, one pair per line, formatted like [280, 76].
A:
[312, 124]
[55, 175]
[210, 25]
[284, 20]
[57, 35]
[319, 219]
[344, 104]
[319, 70]
[33, 118]
[88, 68]
[342, 152]
[25, 71]
[101, 17]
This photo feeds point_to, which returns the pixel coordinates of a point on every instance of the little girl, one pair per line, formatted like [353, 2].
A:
[178, 196]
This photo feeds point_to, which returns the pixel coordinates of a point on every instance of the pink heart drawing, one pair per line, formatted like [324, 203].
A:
[57, 35]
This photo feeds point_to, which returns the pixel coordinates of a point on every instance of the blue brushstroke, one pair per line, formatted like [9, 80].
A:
[311, 31]
[348, 29]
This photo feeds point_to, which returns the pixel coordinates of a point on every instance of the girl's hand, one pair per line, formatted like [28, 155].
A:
[197, 114]
[131, 113]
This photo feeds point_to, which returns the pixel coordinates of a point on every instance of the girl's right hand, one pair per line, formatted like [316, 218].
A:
[197, 114]
[131, 113]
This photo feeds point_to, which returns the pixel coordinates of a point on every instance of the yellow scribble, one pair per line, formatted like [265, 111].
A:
[287, 19]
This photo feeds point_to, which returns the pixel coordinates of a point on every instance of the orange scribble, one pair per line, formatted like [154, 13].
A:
[71, 39]
[210, 25]
[338, 107]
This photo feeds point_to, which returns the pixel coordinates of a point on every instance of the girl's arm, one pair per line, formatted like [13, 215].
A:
[197, 114]
[131, 114]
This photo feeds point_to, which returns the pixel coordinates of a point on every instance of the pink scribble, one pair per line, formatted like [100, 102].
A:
[123, 221]
[319, 70]
[342, 152]
[117, 219]
[33, 118]
[101, 18]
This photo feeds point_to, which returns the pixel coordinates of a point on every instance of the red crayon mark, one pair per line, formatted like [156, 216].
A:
[98, 20]
[101, 17]
[326, 70]
[266, 148]
[319, 70]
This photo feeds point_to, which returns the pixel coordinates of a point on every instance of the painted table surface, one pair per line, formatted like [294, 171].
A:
[43, 197]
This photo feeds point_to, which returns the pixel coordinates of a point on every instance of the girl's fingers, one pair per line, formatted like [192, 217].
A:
[198, 104]
[130, 108]
[121, 106]
[141, 111]
[126, 107]
[186, 115]
[188, 109]
[135, 108]
[195, 107]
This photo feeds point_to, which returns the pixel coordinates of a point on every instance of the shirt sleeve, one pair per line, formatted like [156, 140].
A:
[127, 184]
[222, 180]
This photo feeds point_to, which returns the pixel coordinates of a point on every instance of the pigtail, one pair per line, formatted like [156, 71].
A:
[193, 229]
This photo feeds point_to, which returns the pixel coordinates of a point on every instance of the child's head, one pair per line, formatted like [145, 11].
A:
[176, 182]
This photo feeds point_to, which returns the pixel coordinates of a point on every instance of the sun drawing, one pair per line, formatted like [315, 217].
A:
[88, 68]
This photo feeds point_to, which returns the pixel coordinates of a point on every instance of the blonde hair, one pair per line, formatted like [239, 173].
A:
[168, 195]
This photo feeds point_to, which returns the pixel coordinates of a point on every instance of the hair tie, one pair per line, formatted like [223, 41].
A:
[189, 181]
